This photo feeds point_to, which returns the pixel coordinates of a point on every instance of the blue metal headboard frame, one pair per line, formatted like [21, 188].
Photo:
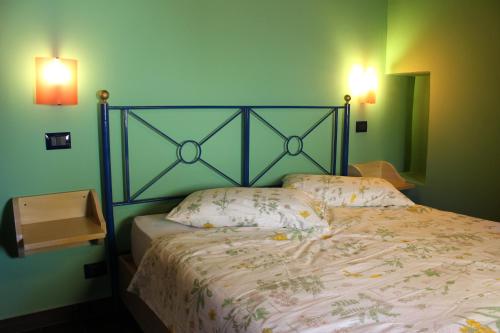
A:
[245, 112]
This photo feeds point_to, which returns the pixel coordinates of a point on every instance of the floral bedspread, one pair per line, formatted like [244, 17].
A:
[411, 269]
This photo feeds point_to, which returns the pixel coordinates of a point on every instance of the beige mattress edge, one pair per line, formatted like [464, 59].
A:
[148, 227]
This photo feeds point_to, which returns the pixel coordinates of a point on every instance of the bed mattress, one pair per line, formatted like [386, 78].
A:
[148, 227]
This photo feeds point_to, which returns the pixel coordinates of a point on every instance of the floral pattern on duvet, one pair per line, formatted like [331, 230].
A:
[411, 269]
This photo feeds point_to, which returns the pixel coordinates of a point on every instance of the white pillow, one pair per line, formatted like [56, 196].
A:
[249, 207]
[348, 191]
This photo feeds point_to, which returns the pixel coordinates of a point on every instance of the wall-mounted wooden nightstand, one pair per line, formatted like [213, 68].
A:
[49, 221]
[381, 169]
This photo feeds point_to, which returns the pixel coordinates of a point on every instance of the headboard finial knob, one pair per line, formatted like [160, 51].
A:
[347, 98]
[103, 96]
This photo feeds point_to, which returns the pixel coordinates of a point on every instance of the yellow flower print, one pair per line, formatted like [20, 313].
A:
[267, 330]
[353, 197]
[280, 236]
[208, 225]
[304, 213]
[318, 209]
[473, 323]
[212, 314]
[475, 327]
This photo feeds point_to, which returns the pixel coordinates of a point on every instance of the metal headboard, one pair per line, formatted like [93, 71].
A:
[245, 113]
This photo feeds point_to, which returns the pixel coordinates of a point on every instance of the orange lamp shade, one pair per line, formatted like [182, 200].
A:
[56, 81]
[370, 97]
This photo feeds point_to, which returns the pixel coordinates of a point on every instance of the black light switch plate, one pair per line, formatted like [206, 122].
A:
[59, 140]
[362, 126]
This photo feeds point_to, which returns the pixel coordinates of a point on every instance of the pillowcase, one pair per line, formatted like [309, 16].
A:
[249, 207]
[348, 191]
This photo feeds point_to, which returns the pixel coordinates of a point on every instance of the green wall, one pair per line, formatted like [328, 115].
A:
[419, 127]
[457, 42]
[174, 52]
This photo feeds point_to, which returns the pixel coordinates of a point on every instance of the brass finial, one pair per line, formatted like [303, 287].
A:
[103, 96]
[347, 98]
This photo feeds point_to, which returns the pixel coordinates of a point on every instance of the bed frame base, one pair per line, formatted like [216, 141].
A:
[145, 317]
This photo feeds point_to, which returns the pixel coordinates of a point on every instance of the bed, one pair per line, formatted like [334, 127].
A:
[406, 268]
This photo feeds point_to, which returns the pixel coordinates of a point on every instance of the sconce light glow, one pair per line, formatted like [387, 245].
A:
[363, 84]
[55, 72]
[356, 81]
[56, 81]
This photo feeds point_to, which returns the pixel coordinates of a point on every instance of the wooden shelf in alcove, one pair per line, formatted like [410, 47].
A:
[50, 221]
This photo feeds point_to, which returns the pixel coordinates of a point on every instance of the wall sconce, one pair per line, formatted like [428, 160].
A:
[363, 84]
[56, 81]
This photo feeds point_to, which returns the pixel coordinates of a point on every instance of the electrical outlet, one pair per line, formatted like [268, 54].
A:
[362, 126]
[94, 270]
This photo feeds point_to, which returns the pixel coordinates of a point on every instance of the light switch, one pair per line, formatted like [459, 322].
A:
[362, 126]
[59, 140]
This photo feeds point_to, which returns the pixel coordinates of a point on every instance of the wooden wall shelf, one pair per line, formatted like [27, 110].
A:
[381, 169]
[50, 221]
